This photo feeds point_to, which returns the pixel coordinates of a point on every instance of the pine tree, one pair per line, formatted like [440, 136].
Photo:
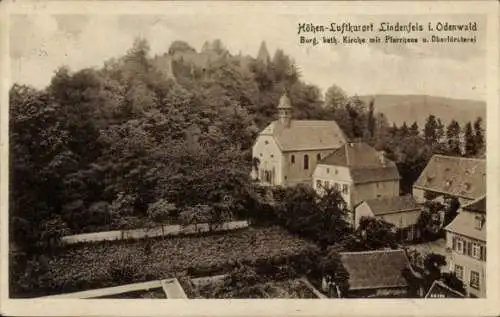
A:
[470, 141]
[404, 130]
[430, 130]
[393, 130]
[453, 137]
[414, 130]
[479, 136]
[440, 130]
[371, 118]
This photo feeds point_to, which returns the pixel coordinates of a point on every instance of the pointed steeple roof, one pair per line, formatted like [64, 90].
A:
[285, 102]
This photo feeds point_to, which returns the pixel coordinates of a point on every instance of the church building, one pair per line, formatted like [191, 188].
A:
[287, 151]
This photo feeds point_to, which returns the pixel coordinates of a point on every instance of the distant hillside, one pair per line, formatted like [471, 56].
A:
[409, 108]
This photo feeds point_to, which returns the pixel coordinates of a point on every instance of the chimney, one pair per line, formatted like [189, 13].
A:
[381, 157]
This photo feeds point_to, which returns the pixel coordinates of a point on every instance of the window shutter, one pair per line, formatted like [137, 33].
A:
[468, 249]
[483, 253]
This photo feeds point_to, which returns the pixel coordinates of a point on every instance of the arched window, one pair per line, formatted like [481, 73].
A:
[318, 156]
[306, 162]
[292, 159]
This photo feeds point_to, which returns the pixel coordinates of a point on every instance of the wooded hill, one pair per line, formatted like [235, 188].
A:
[168, 138]
[409, 108]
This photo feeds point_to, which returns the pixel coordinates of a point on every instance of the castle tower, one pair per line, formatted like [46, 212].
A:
[285, 111]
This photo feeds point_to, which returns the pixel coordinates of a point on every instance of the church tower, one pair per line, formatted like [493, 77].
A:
[285, 111]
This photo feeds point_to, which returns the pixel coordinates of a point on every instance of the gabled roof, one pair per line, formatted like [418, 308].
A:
[364, 162]
[478, 205]
[456, 176]
[305, 135]
[354, 154]
[390, 205]
[441, 290]
[464, 222]
[375, 269]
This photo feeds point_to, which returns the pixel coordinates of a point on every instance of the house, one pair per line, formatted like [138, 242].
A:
[401, 211]
[286, 151]
[376, 273]
[441, 290]
[359, 172]
[466, 238]
[449, 177]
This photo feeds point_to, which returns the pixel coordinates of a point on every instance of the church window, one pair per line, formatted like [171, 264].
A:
[306, 162]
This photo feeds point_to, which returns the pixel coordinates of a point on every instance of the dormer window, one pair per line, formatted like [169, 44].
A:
[478, 222]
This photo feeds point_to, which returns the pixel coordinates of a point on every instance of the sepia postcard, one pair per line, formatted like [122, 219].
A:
[249, 158]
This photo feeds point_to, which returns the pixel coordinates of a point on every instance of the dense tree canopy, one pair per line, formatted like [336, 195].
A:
[144, 138]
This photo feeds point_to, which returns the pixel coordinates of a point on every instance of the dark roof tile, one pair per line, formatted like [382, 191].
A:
[305, 135]
[456, 176]
[365, 163]
[478, 205]
[441, 290]
[375, 269]
[389, 205]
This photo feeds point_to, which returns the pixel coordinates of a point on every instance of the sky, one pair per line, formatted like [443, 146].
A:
[41, 43]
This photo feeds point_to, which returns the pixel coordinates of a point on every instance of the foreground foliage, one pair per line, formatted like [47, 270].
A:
[245, 282]
[110, 264]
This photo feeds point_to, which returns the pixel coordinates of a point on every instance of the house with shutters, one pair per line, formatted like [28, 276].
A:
[450, 177]
[359, 173]
[466, 239]
[401, 211]
[287, 151]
